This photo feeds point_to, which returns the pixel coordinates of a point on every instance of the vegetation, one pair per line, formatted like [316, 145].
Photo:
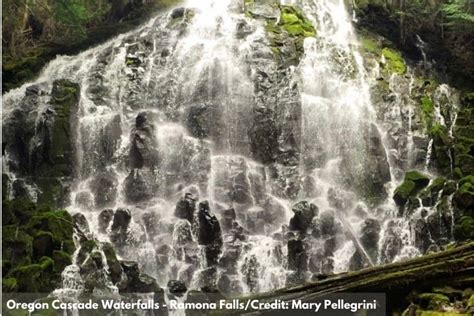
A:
[446, 25]
[35, 31]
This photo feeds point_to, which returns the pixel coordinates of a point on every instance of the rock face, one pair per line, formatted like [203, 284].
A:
[41, 142]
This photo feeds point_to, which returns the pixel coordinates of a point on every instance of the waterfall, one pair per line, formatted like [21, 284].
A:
[199, 156]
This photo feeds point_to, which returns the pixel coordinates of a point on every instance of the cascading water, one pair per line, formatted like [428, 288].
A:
[174, 124]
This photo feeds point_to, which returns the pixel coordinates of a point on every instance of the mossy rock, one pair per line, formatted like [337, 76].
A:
[465, 163]
[427, 109]
[295, 23]
[115, 268]
[464, 196]
[61, 260]
[16, 245]
[58, 223]
[394, 62]
[35, 277]
[43, 244]
[464, 228]
[433, 301]
[413, 183]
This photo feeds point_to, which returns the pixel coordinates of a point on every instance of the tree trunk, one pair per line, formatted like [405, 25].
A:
[454, 267]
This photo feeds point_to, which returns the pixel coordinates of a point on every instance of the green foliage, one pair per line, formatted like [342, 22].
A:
[459, 15]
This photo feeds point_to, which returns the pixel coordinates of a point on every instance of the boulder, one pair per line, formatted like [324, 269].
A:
[177, 288]
[304, 214]
[209, 227]
[104, 219]
[413, 183]
[185, 208]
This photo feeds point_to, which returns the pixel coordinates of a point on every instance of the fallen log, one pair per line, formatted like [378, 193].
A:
[453, 267]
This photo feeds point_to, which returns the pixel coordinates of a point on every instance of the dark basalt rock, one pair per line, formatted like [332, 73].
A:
[250, 271]
[43, 245]
[119, 229]
[150, 221]
[104, 186]
[137, 282]
[81, 223]
[203, 120]
[297, 261]
[40, 145]
[137, 188]
[209, 228]
[185, 207]
[304, 214]
[227, 218]
[105, 217]
[143, 152]
[177, 288]
[115, 268]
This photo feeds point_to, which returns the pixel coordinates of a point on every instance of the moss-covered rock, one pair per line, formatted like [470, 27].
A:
[464, 228]
[286, 27]
[394, 62]
[413, 183]
[433, 301]
[16, 245]
[464, 196]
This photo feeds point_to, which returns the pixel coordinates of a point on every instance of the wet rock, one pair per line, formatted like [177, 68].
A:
[250, 272]
[84, 200]
[119, 229]
[297, 261]
[143, 152]
[370, 234]
[177, 13]
[137, 188]
[81, 222]
[105, 217]
[263, 135]
[203, 120]
[304, 214]
[185, 207]
[182, 233]
[115, 268]
[227, 218]
[104, 186]
[256, 220]
[413, 183]
[326, 224]
[150, 221]
[209, 227]
[137, 282]
[177, 288]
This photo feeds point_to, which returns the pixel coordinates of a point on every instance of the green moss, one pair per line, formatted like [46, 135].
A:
[369, 45]
[394, 62]
[419, 178]
[61, 260]
[435, 313]
[464, 228]
[9, 285]
[58, 223]
[433, 301]
[16, 245]
[294, 22]
[440, 134]
[413, 183]
[427, 108]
